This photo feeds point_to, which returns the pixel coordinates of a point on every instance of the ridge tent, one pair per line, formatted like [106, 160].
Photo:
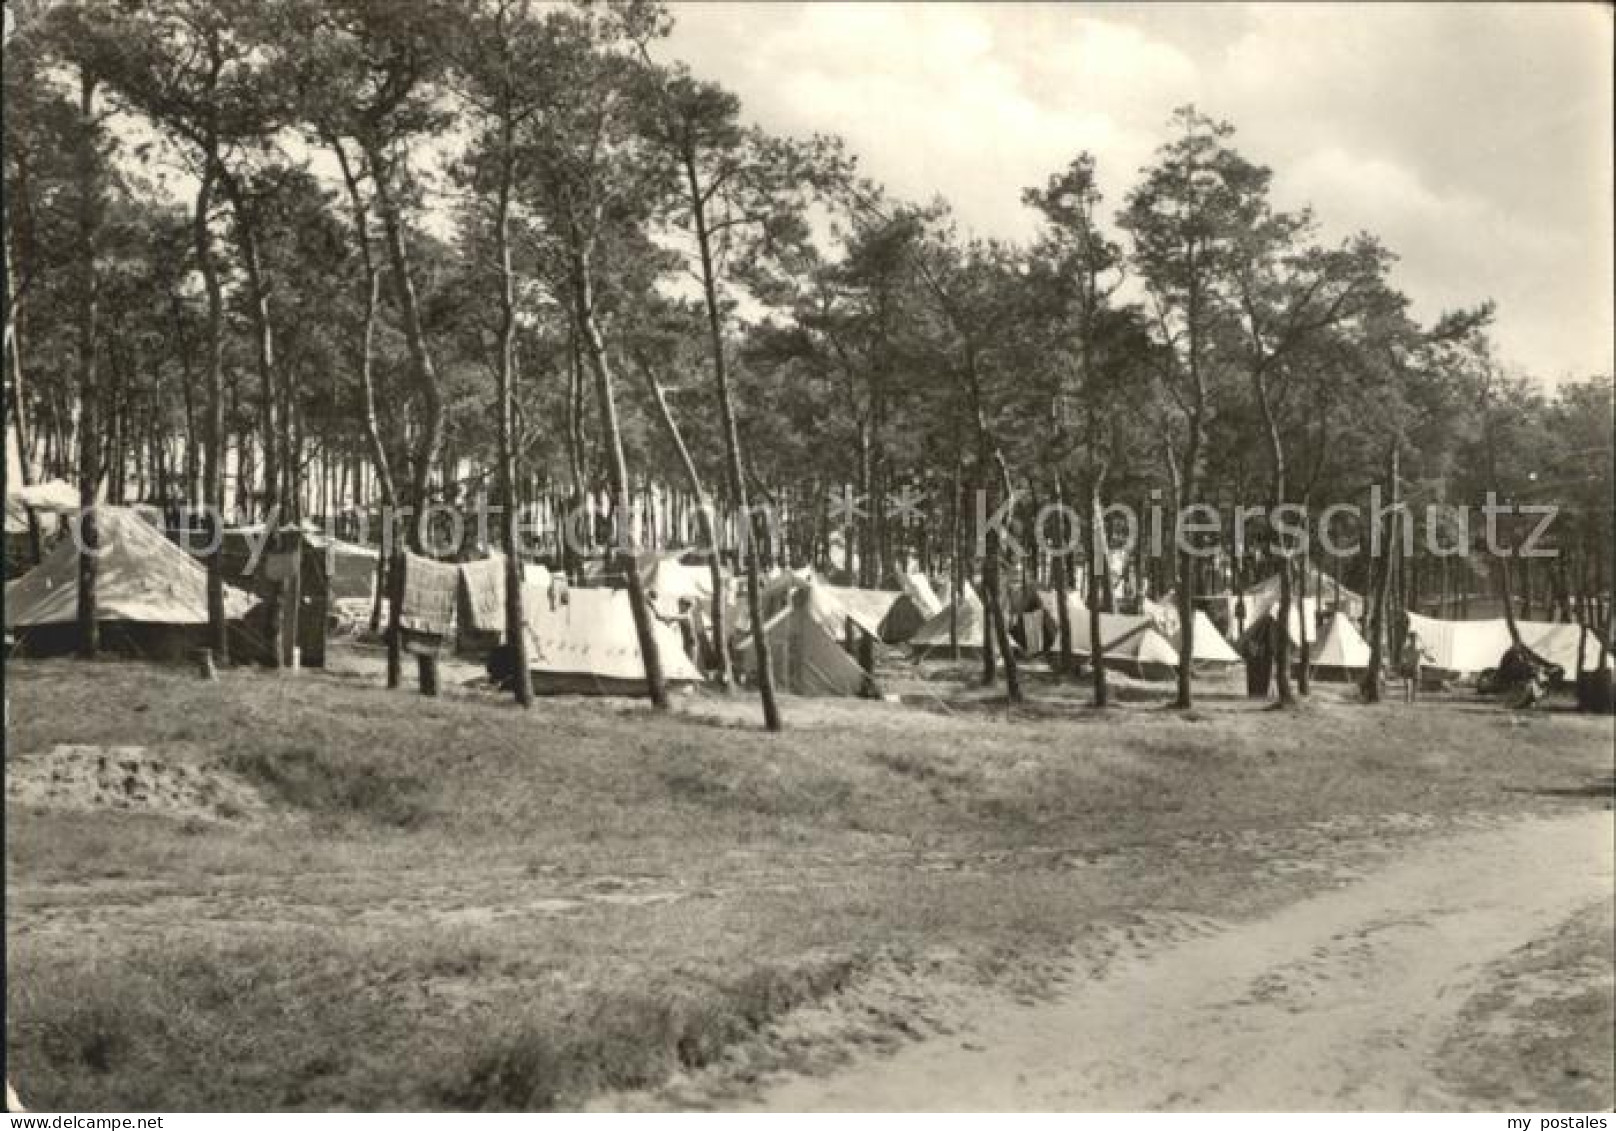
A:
[51, 503]
[583, 642]
[868, 609]
[804, 647]
[151, 596]
[1049, 601]
[1462, 648]
[671, 578]
[1211, 646]
[916, 604]
[918, 588]
[55, 495]
[1132, 645]
[1556, 642]
[933, 635]
[1341, 654]
[1322, 593]
[1028, 623]
[350, 567]
[1260, 624]
[947, 597]
[258, 560]
[774, 593]
[1459, 648]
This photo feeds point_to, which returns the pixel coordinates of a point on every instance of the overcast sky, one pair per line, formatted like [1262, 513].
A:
[1475, 140]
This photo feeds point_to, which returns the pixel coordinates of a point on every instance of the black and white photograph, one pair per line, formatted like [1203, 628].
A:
[668, 556]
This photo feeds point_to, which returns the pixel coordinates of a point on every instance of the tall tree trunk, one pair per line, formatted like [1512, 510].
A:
[505, 471]
[89, 471]
[13, 334]
[957, 556]
[1377, 618]
[1304, 660]
[429, 440]
[990, 458]
[390, 556]
[622, 515]
[1503, 575]
[732, 445]
[866, 528]
[1282, 613]
[577, 462]
[704, 521]
[1099, 557]
[19, 408]
[1501, 562]
[1063, 584]
[213, 411]
[271, 422]
[1561, 591]
[275, 425]
[1186, 482]
[986, 581]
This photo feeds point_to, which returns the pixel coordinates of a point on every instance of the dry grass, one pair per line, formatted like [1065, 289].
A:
[1543, 1036]
[463, 905]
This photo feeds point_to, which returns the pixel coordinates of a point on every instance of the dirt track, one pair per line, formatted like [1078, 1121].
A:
[1341, 1002]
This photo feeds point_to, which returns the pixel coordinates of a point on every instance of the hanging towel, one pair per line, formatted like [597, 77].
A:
[483, 593]
[429, 596]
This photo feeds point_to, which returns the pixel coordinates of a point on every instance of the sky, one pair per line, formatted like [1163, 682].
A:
[1473, 139]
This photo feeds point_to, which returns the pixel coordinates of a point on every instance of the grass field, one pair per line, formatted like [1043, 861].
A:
[450, 903]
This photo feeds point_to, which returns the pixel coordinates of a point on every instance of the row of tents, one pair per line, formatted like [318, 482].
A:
[807, 629]
[822, 638]
[804, 637]
[151, 599]
[151, 595]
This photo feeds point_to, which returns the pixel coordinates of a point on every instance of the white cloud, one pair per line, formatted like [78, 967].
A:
[1472, 140]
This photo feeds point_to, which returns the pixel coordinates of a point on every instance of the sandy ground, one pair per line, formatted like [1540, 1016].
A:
[1344, 1001]
[173, 783]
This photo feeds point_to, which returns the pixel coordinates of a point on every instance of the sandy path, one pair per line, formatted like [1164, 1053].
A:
[1339, 1002]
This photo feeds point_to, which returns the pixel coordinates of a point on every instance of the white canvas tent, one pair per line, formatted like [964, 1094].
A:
[1341, 654]
[350, 565]
[947, 596]
[52, 497]
[583, 642]
[916, 604]
[1323, 592]
[672, 580]
[1557, 643]
[148, 591]
[1119, 630]
[1212, 648]
[917, 587]
[1130, 644]
[1051, 604]
[1295, 625]
[1460, 648]
[866, 608]
[774, 594]
[804, 647]
[933, 636]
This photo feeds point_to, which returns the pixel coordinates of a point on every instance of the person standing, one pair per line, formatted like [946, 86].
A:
[1409, 662]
